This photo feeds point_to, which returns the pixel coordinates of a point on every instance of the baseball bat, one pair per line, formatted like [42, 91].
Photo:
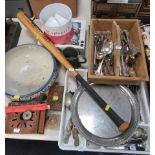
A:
[39, 35]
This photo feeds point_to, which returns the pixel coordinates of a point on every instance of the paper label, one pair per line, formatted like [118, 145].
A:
[16, 130]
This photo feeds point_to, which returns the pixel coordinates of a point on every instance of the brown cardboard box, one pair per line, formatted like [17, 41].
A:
[38, 5]
[132, 25]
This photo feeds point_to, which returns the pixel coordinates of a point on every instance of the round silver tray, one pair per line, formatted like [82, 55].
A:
[94, 124]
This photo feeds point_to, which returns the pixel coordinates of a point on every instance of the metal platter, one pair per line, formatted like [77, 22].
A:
[94, 124]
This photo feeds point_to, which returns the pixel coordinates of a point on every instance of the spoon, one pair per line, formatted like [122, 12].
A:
[68, 100]
[107, 47]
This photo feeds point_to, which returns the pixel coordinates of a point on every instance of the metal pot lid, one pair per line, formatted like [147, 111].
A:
[94, 124]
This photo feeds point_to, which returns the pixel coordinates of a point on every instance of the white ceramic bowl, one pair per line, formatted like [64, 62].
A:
[30, 69]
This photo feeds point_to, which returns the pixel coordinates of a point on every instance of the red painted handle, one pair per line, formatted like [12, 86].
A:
[23, 108]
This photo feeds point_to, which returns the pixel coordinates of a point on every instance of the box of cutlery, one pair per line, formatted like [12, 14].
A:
[116, 52]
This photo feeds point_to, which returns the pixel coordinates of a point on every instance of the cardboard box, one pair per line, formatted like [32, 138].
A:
[133, 27]
[38, 5]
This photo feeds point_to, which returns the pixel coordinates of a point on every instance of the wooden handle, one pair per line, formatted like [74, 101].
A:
[123, 127]
[45, 41]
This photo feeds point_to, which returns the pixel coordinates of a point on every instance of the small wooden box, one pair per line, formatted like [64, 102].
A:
[132, 25]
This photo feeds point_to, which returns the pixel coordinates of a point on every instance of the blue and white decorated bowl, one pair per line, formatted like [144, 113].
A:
[29, 71]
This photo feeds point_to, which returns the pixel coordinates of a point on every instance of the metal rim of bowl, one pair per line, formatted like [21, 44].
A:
[54, 73]
[114, 141]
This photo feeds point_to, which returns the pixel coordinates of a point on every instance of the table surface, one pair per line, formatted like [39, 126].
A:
[26, 37]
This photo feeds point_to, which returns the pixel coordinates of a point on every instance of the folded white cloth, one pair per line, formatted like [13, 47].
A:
[56, 21]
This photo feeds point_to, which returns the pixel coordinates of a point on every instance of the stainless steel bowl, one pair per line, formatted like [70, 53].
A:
[94, 124]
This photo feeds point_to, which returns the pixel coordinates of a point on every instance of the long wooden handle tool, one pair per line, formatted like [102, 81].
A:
[120, 123]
